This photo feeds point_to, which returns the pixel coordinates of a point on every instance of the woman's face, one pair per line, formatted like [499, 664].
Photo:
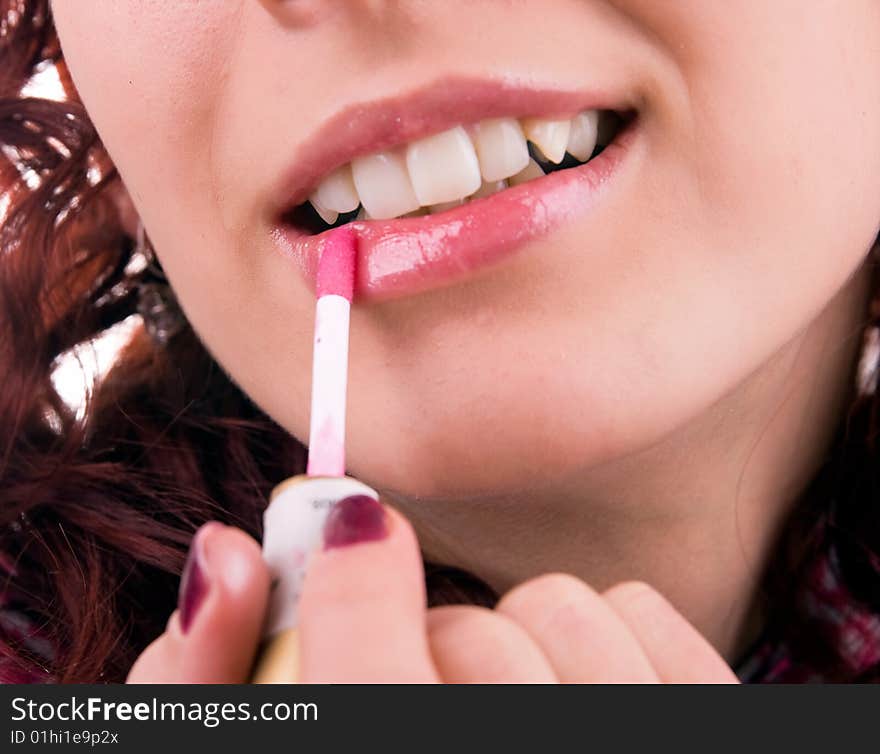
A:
[748, 191]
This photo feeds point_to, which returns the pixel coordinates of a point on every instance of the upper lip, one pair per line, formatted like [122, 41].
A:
[367, 127]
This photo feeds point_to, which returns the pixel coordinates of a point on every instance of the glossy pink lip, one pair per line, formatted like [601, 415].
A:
[406, 256]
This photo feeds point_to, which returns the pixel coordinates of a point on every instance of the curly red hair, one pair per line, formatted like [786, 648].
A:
[96, 511]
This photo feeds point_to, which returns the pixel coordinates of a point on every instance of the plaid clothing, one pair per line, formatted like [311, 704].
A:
[16, 627]
[855, 628]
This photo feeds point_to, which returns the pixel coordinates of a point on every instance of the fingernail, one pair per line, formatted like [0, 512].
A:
[354, 519]
[194, 582]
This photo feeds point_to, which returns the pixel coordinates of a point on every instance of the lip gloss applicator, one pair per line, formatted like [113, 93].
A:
[294, 520]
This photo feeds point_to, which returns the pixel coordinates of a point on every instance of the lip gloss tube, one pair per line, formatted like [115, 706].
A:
[293, 523]
[292, 528]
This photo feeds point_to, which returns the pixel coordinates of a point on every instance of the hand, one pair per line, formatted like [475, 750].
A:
[213, 635]
[366, 590]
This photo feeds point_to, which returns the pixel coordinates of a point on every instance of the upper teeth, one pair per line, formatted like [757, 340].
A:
[443, 170]
[550, 136]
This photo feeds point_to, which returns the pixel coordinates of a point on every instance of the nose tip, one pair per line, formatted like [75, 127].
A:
[303, 13]
[295, 13]
[291, 12]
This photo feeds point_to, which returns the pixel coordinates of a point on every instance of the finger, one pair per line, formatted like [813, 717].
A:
[158, 663]
[363, 607]
[213, 635]
[582, 637]
[678, 652]
[476, 645]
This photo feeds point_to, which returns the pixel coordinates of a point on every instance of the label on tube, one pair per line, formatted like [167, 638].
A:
[293, 527]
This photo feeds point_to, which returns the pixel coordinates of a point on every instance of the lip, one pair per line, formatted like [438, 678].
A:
[405, 256]
[368, 127]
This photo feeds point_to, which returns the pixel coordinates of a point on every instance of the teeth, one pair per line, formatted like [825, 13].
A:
[443, 171]
[337, 191]
[443, 167]
[582, 138]
[438, 208]
[329, 216]
[383, 185]
[501, 148]
[533, 170]
[489, 188]
[550, 136]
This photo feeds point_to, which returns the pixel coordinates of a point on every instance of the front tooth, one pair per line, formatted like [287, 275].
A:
[383, 184]
[329, 216]
[501, 148]
[337, 191]
[533, 170]
[489, 188]
[582, 138]
[550, 136]
[438, 208]
[443, 167]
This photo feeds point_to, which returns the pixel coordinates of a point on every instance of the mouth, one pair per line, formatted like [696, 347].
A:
[451, 179]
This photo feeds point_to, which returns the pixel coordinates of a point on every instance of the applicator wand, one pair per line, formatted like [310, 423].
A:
[294, 520]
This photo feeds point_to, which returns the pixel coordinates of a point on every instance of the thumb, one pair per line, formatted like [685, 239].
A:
[363, 609]
[213, 635]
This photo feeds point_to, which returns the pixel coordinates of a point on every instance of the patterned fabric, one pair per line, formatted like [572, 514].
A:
[16, 627]
[856, 630]
[836, 613]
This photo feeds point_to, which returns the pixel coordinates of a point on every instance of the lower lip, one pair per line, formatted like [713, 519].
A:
[403, 257]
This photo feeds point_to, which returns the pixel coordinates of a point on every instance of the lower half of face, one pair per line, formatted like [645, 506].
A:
[746, 191]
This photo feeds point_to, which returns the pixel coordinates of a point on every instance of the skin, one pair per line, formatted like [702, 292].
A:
[635, 399]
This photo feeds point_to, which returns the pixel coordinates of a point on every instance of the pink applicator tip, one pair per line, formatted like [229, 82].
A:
[337, 264]
[334, 287]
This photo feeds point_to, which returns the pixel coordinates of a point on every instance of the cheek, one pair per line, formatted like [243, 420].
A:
[149, 73]
[784, 136]
[152, 76]
[772, 142]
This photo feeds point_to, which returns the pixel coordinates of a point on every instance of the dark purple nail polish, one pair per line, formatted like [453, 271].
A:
[354, 519]
[194, 582]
